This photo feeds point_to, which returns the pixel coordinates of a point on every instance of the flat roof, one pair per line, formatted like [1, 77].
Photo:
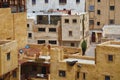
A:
[44, 57]
[83, 61]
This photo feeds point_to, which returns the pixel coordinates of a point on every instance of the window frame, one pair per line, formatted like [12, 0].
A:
[52, 41]
[54, 30]
[66, 20]
[46, 1]
[74, 21]
[112, 8]
[39, 42]
[42, 29]
[62, 73]
[8, 56]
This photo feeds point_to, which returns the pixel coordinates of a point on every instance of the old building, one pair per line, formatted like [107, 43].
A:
[9, 69]
[87, 68]
[13, 26]
[47, 5]
[15, 5]
[13, 36]
[59, 29]
[75, 28]
[46, 31]
[102, 12]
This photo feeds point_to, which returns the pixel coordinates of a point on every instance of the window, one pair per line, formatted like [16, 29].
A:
[111, 21]
[52, 29]
[41, 41]
[112, 7]
[74, 21]
[29, 35]
[70, 33]
[84, 76]
[98, 23]
[28, 25]
[52, 41]
[91, 8]
[8, 56]
[72, 44]
[62, 73]
[62, 1]
[91, 22]
[14, 74]
[110, 57]
[33, 2]
[98, 12]
[77, 1]
[107, 77]
[66, 20]
[98, 0]
[46, 1]
[33, 11]
[41, 29]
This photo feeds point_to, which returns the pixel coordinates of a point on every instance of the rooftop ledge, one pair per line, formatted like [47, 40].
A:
[82, 61]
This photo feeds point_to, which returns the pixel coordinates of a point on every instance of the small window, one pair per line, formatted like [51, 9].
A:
[112, 7]
[70, 33]
[107, 77]
[41, 29]
[91, 8]
[98, 12]
[62, 1]
[53, 42]
[74, 21]
[33, 2]
[91, 22]
[77, 1]
[8, 56]
[98, 0]
[110, 57]
[33, 11]
[28, 25]
[111, 21]
[66, 20]
[52, 29]
[29, 35]
[62, 73]
[46, 1]
[41, 41]
[72, 44]
[14, 74]
[98, 23]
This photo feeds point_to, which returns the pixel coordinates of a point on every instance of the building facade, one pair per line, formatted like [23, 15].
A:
[62, 29]
[12, 27]
[9, 69]
[102, 12]
[87, 68]
[15, 5]
[45, 5]
[75, 28]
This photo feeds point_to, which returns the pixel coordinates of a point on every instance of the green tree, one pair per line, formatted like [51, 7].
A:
[84, 47]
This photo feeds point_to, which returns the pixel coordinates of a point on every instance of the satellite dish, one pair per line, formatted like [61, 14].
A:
[27, 46]
[21, 51]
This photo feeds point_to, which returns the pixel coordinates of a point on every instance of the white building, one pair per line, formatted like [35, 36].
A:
[111, 31]
[45, 5]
